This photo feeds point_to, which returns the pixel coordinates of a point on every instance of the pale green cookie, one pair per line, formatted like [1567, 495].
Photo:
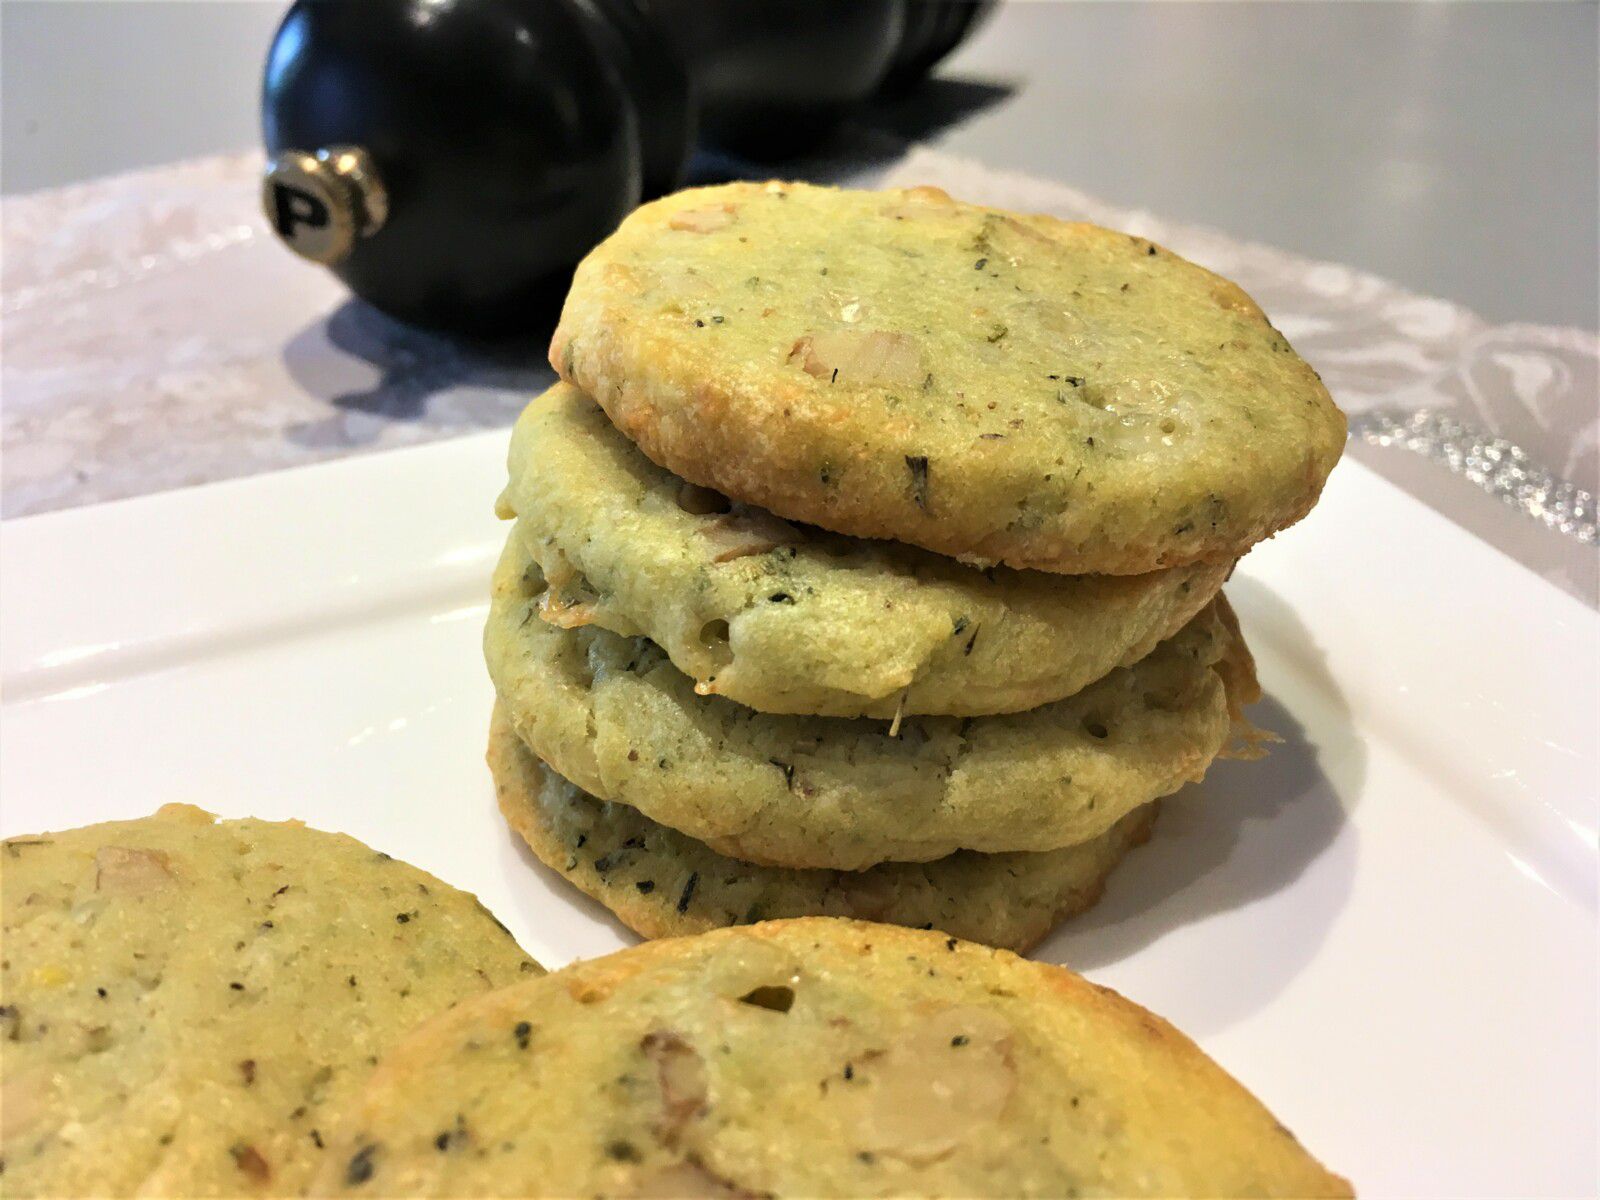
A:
[810, 1058]
[182, 1000]
[792, 620]
[661, 883]
[986, 385]
[615, 717]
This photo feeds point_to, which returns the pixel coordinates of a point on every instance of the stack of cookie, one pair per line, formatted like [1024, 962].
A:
[867, 559]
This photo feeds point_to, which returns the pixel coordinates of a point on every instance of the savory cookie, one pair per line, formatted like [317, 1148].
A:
[813, 1057]
[615, 717]
[990, 386]
[796, 620]
[182, 998]
[661, 883]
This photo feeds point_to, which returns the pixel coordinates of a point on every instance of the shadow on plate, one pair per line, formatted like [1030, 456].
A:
[375, 372]
[1252, 832]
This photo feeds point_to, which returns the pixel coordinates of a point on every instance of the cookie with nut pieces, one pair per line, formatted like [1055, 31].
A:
[988, 385]
[183, 998]
[792, 619]
[614, 716]
[814, 1057]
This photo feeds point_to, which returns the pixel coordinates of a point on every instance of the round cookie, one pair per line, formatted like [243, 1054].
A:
[183, 999]
[990, 386]
[792, 620]
[661, 883]
[615, 717]
[813, 1057]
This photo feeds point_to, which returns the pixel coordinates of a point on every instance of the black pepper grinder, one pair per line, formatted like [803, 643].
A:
[451, 160]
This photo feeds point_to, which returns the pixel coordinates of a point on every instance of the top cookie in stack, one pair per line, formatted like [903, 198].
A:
[1065, 437]
[993, 387]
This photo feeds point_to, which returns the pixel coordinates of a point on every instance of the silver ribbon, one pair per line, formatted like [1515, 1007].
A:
[1496, 465]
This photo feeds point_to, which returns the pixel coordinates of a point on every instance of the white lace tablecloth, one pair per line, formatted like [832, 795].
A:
[153, 335]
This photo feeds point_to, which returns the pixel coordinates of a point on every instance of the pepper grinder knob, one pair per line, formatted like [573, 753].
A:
[320, 202]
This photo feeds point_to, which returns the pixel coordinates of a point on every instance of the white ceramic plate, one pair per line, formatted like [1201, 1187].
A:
[1387, 929]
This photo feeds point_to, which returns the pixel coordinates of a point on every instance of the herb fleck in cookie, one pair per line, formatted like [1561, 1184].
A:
[990, 386]
[662, 883]
[182, 999]
[795, 620]
[814, 1057]
[615, 717]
